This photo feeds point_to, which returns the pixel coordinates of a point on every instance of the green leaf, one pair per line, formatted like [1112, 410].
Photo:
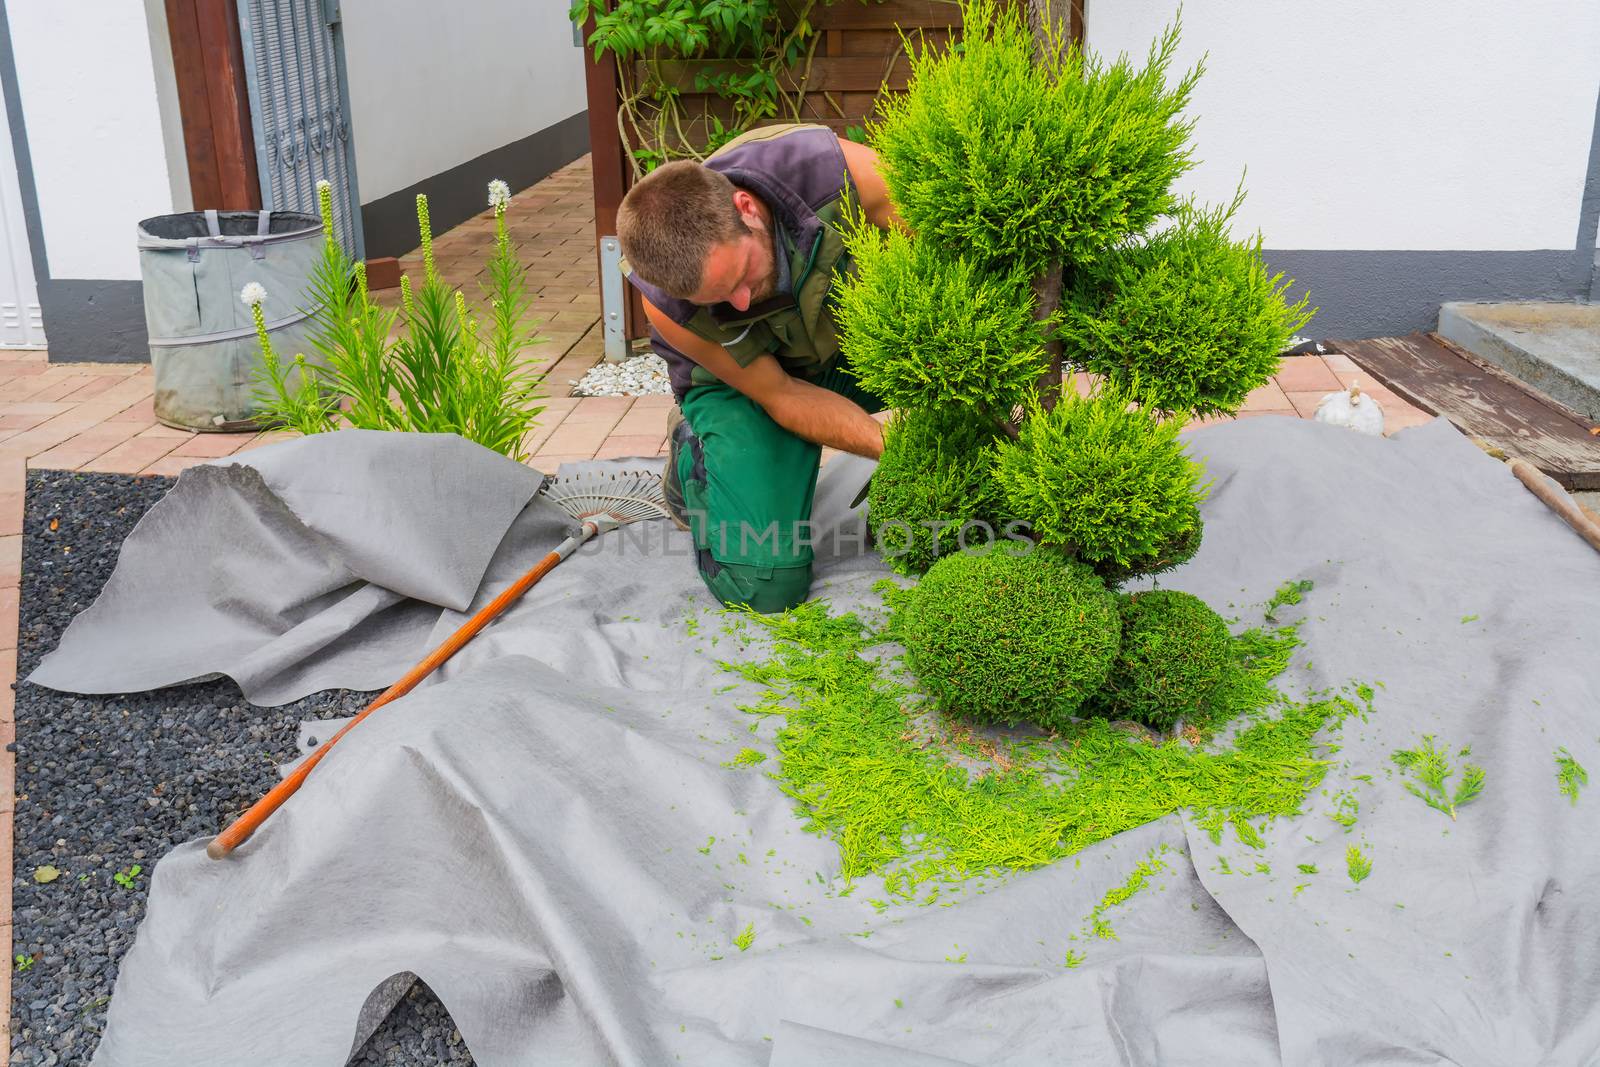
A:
[46, 874]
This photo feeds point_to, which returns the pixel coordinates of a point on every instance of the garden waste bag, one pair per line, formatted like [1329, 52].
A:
[562, 832]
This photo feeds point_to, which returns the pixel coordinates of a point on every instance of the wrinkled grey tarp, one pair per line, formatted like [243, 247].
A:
[526, 833]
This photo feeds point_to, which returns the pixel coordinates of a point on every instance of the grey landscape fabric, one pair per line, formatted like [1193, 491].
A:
[551, 835]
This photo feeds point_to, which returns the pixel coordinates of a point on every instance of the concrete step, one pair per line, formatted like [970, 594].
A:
[1553, 347]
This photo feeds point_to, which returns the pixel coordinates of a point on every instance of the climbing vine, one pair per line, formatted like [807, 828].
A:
[755, 54]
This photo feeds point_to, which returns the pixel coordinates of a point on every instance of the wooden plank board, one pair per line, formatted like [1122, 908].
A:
[1484, 402]
[827, 73]
[854, 15]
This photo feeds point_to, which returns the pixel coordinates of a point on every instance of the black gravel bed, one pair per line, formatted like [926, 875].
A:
[106, 786]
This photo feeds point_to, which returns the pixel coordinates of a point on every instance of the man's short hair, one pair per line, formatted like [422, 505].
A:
[669, 222]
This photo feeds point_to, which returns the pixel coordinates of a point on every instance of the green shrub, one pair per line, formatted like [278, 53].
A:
[1175, 653]
[925, 330]
[993, 156]
[1190, 318]
[447, 372]
[1105, 481]
[1003, 637]
[937, 467]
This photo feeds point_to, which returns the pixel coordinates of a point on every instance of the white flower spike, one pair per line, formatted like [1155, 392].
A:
[499, 193]
[323, 183]
[253, 293]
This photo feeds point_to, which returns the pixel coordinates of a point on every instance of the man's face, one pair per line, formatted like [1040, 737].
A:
[743, 271]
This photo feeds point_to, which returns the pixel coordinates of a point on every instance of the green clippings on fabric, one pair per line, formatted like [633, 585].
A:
[1430, 770]
[1138, 878]
[1307, 868]
[747, 757]
[1357, 864]
[1570, 775]
[923, 800]
[746, 937]
[1299, 887]
[1246, 833]
[1073, 959]
[899, 1003]
[1345, 809]
[1468, 618]
[1288, 594]
[705, 850]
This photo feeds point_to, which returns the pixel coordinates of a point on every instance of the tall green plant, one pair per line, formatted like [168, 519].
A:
[447, 372]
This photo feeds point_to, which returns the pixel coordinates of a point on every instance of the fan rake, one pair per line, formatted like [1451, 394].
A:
[599, 500]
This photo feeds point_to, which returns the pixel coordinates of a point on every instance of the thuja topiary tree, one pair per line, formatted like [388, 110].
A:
[1042, 238]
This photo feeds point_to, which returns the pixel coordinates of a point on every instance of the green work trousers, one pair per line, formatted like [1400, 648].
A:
[747, 487]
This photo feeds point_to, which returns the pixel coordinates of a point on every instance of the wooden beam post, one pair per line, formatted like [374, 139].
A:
[610, 166]
[214, 104]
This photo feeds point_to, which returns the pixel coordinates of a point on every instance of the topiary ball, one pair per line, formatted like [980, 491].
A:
[1175, 652]
[1006, 636]
[933, 487]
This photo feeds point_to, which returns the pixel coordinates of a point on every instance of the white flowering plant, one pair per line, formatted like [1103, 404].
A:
[445, 372]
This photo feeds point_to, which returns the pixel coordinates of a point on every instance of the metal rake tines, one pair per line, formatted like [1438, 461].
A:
[626, 496]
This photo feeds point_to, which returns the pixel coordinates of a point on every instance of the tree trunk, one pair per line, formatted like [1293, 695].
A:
[1046, 301]
[1053, 26]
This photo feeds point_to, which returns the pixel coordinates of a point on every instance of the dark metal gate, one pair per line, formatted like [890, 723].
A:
[300, 108]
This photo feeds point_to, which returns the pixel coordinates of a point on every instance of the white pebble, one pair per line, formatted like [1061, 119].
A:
[640, 376]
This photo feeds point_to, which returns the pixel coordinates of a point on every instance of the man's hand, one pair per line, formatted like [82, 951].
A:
[805, 410]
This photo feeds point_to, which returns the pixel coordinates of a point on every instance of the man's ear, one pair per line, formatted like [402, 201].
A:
[745, 204]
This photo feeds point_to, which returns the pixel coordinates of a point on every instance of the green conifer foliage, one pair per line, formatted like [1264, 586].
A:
[998, 636]
[935, 476]
[1190, 315]
[929, 330]
[1005, 159]
[1104, 480]
[1175, 653]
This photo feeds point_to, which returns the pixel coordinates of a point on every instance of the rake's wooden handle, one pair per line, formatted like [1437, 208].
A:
[1556, 501]
[241, 828]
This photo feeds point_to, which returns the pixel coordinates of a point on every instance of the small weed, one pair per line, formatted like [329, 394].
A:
[1570, 775]
[24, 961]
[126, 877]
[1357, 863]
[1431, 768]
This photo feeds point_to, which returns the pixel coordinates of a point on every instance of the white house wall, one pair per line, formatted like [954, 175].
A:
[442, 100]
[1461, 129]
[88, 90]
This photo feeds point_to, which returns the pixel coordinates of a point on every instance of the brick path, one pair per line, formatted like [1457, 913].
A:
[98, 417]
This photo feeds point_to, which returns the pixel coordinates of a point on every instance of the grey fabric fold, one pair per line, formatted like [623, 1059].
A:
[313, 563]
[532, 833]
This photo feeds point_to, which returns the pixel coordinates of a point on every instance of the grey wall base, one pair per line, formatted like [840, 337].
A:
[390, 223]
[1390, 293]
[94, 320]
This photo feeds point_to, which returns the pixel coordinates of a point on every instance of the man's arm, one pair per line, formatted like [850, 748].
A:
[805, 410]
[862, 163]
